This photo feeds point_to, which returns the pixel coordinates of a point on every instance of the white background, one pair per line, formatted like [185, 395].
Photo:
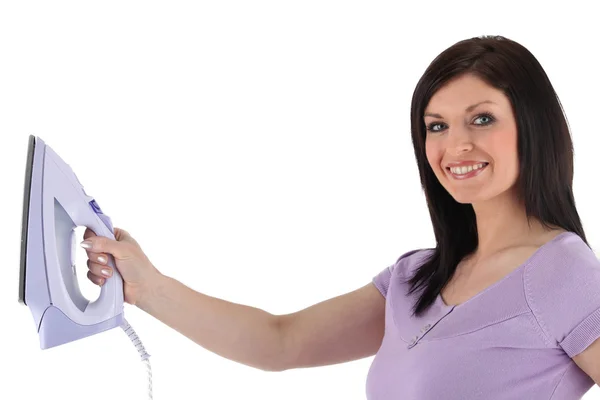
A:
[259, 151]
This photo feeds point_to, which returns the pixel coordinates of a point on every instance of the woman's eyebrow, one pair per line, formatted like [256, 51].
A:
[470, 108]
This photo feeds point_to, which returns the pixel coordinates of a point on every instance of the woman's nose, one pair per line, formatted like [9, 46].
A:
[459, 140]
[462, 147]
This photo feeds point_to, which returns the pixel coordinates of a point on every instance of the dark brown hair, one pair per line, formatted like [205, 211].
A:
[545, 152]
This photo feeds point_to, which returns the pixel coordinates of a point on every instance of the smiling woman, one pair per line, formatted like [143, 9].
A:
[508, 307]
[464, 131]
[508, 298]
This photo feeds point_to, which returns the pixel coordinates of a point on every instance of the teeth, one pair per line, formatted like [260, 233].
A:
[464, 170]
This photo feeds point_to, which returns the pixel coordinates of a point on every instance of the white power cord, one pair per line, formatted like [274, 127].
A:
[140, 348]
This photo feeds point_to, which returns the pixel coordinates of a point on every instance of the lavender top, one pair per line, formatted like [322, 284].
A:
[513, 340]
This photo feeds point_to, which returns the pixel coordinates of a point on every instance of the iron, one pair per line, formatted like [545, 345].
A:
[54, 204]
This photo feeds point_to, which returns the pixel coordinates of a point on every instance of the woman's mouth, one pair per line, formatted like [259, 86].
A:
[468, 174]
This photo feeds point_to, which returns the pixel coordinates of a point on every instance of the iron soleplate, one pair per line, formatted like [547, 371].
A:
[25, 220]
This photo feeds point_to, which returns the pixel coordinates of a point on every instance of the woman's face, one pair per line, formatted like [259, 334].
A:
[464, 130]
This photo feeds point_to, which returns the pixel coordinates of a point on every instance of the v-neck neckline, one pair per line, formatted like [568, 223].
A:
[445, 306]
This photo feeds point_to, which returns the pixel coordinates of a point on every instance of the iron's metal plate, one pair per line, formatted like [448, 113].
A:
[25, 220]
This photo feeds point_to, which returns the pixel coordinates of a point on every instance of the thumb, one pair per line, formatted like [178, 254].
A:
[121, 235]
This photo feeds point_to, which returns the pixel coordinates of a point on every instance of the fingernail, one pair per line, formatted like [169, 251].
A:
[86, 244]
[105, 272]
[101, 259]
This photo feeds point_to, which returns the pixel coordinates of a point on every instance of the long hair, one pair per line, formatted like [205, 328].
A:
[545, 153]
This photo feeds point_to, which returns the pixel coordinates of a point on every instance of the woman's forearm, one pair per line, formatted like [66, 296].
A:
[241, 333]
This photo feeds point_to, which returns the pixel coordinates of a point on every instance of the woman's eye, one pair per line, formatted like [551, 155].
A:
[488, 116]
[430, 127]
[485, 116]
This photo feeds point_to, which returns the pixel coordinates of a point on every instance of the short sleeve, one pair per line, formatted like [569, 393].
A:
[562, 287]
[382, 279]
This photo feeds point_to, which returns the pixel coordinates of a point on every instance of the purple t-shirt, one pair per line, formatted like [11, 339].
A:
[513, 340]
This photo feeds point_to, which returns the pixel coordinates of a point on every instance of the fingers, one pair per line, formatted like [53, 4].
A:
[98, 271]
[96, 279]
[103, 244]
[88, 233]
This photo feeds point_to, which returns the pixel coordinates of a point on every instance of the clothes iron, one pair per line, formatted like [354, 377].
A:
[54, 204]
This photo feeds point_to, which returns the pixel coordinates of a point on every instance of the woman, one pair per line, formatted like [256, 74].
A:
[508, 295]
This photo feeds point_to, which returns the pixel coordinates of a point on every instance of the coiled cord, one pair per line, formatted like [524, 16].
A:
[140, 348]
